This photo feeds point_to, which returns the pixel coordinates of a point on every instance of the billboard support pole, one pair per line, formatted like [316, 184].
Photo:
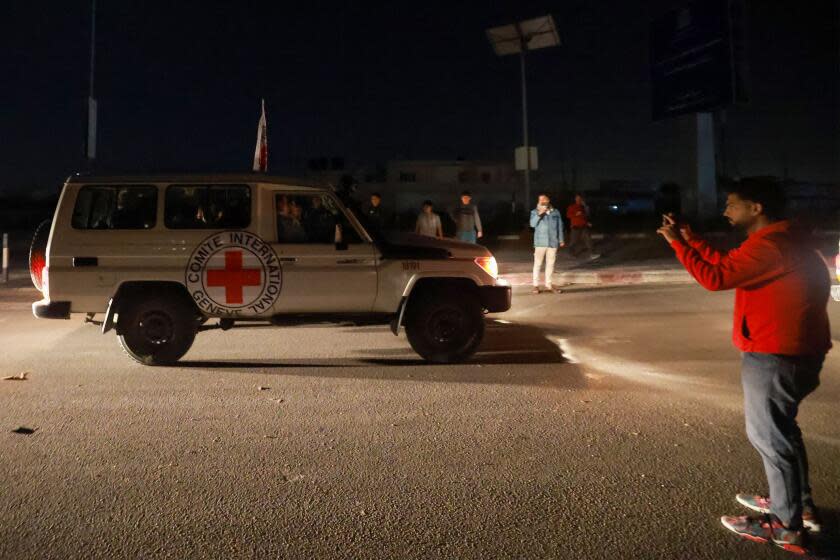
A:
[706, 168]
[90, 147]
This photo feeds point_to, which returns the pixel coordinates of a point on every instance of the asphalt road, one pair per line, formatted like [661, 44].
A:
[599, 423]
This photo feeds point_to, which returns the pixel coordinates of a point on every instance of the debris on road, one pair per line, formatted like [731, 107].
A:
[24, 430]
[279, 401]
[262, 388]
[20, 377]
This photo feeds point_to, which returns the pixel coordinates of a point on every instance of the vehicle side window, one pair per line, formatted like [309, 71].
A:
[312, 219]
[207, 207]
[115, 207]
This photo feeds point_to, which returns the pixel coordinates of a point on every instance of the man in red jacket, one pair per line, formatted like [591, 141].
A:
[781, 326]
[578, 214]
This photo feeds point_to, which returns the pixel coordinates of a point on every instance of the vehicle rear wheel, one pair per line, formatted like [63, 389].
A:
[157, 329]
[445, 326]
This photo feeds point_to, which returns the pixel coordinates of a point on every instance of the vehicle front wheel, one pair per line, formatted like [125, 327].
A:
[445, 326]
[157, 330]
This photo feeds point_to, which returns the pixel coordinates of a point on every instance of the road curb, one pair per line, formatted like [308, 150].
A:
[606, 277]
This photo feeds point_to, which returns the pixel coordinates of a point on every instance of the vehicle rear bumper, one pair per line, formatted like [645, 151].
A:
[46, 309]
[495, 299]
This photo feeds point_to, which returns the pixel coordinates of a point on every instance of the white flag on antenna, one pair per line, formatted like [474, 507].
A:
[261, 151]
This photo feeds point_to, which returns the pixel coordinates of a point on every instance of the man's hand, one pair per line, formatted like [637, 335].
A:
[669, 232]
[685, 229]
[562, 244]
[480, 235]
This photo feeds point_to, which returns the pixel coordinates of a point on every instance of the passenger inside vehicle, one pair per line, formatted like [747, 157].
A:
[289, 226]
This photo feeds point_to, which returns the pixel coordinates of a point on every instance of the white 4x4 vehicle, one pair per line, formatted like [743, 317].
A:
[157, 257]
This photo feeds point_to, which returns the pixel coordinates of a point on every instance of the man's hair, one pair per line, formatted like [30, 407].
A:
[545, 194]
[466, 193]
[376, 194]
[428, 203]
[762, 190]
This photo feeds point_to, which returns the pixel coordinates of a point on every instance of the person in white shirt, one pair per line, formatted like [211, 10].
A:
[428, 223]
[548, 236]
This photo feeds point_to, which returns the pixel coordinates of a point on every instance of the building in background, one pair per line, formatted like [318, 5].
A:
[405, 184]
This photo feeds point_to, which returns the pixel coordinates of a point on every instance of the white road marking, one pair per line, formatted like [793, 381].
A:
[566, 350]
[647, 374]
[628, 369]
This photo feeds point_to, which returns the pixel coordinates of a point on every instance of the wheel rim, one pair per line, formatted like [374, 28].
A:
[156, 328]
[445, 325]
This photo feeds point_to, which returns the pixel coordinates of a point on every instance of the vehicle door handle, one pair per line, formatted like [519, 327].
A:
[350, 261]
[85, 261]
[287, 259]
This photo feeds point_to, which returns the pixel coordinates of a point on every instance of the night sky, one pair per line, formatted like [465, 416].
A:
[179, 84]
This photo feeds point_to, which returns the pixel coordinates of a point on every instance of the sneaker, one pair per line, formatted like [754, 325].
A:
[767, 528]
[535, 291]
[810, 514]
[555, 290]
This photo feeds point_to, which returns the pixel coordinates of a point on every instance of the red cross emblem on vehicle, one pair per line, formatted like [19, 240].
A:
[233, 277]
[234, 274]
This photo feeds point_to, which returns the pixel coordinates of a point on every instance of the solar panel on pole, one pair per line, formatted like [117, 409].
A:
[518, 38]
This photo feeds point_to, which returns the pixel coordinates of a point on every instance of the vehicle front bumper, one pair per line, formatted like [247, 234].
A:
[495, 299]
[46, 309]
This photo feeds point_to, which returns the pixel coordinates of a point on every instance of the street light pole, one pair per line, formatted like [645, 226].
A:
[525, 128]
[516, 38]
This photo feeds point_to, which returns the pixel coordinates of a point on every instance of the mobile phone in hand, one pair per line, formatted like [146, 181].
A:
[671, 219]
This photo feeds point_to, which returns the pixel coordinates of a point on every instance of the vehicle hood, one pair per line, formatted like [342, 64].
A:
[420, 247]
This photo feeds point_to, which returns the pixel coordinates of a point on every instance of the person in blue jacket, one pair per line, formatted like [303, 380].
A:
[548, 236]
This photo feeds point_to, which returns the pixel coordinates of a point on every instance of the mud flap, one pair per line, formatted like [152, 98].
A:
[396, 322]
[108, 322]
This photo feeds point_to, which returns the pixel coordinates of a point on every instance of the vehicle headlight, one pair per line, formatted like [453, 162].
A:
[488, 265]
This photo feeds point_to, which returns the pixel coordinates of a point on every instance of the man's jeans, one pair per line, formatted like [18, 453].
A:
[774, 385]
[580, 236]
[549, 254]
[468, 236]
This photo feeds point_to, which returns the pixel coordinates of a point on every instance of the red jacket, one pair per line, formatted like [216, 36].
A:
[577, 216]
[781, 289]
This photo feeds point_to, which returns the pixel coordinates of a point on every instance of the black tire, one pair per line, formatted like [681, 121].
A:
[157, 329]
[38, 254]
[445, 326]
